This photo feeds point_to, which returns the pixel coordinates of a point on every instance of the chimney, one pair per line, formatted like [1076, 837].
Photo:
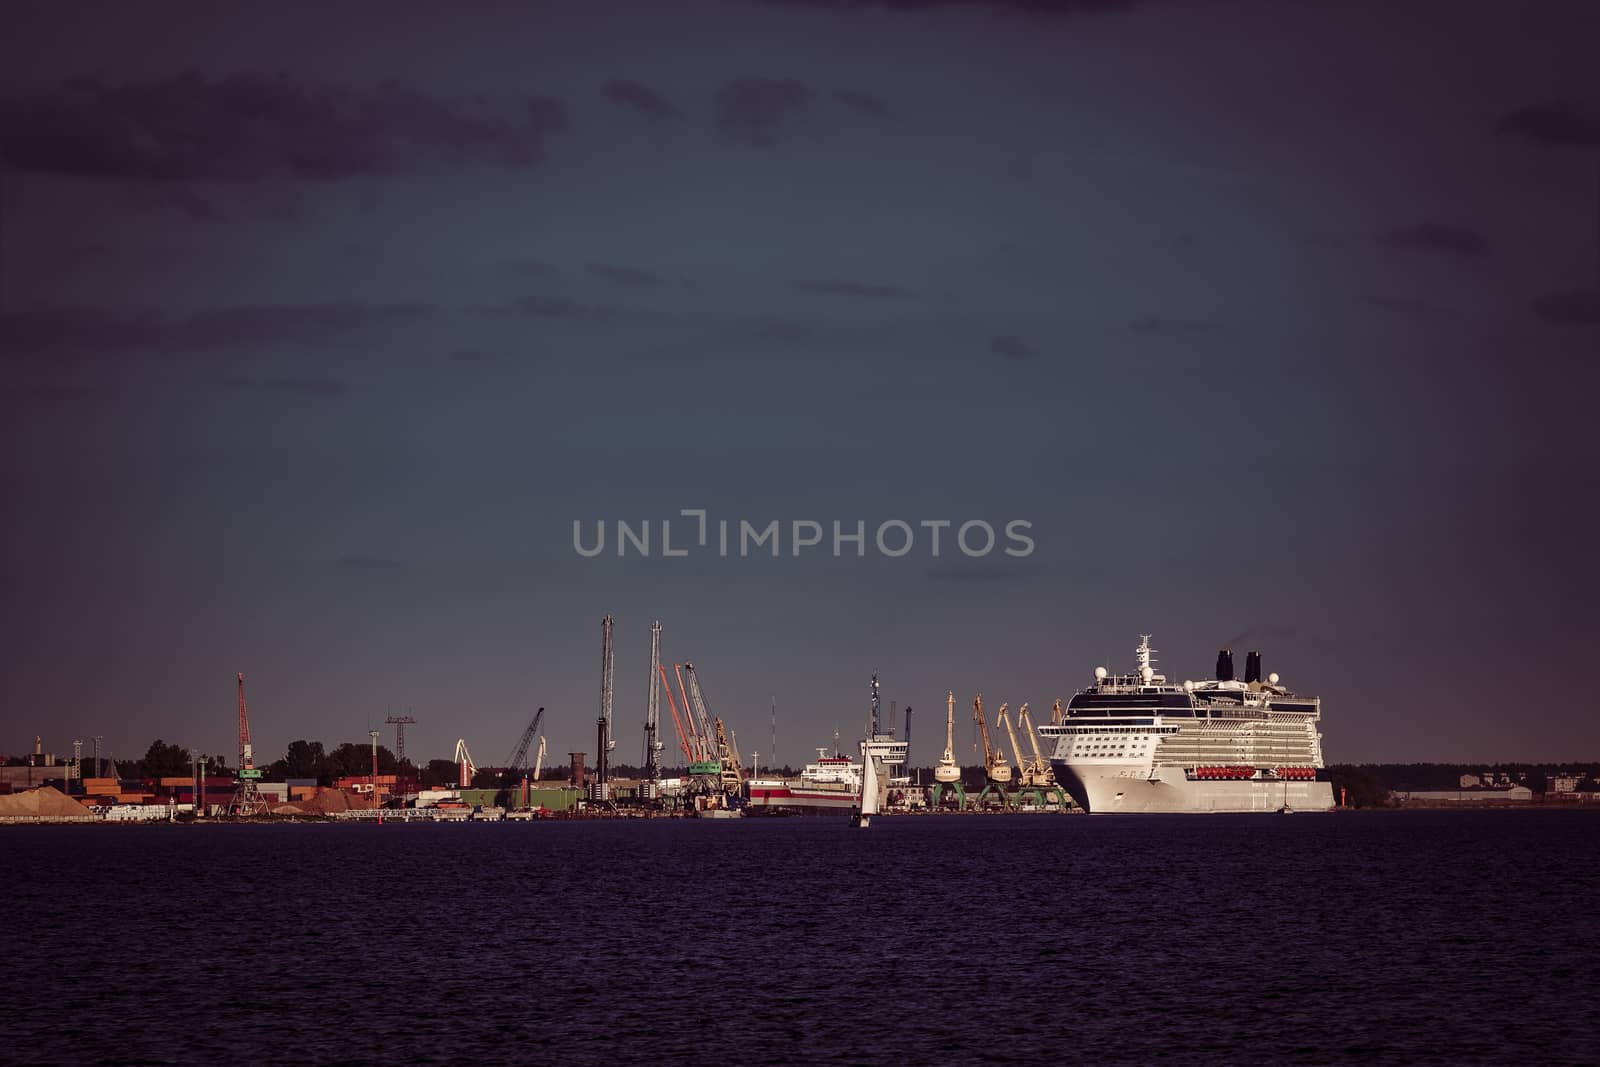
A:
[1252, 667]
[1225, 665]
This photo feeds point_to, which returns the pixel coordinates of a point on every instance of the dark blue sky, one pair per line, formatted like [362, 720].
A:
[320, 326]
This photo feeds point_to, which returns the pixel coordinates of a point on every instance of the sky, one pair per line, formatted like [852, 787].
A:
[321, 326]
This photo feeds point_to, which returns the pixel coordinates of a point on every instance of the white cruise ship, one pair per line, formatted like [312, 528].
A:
[1135, 743]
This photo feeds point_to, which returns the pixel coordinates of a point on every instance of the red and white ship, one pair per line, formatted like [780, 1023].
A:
[831, 784]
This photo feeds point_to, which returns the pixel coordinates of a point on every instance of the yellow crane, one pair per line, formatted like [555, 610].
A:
[732, 772]
[1003, 719]
[1035, 771]
[994, 760]
[948, 770]
[1057, 716]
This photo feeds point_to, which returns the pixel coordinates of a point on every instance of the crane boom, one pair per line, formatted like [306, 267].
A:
[1037, 771]
[247, 758]
[698, 742]
[994, 761]
[948, 770]
[519, 755]
[730, 763]
[464, 759]
[702, 714]
[538, 759]
[652, 715]
[1005, 720]
[606, 741]
[672, 705]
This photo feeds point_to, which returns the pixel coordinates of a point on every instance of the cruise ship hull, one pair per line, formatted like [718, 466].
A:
[1110, 788]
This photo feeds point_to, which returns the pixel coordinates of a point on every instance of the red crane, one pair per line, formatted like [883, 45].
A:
[247, 799]
[247, 758]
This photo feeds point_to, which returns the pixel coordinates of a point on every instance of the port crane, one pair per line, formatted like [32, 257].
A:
[731, 773]
[994, 759]
[1035, 770]
[538, 759]
[948, 770]
[995, 767]
[1003, 718]
[672, 705]
[1057, 716]
[601, 790]
[465, 762]
[652, 719]
[247, 798]
[1037, 777]
[518, 760]
[947, 774]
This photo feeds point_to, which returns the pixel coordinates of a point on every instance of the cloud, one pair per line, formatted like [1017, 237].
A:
[640, 99]
[1401, 305]
[863, 103]
[251, 127]
[837, 287]
[56, 395]
[1271, 631]
[759, 112]
[1440, 237]
[363, 562]
[525, 268]
[1568, 121]
[1011, 347]
[293, 386]
[790, 333]
[1577, 307]
[564, 309]
[50, 330]
[1032, 7]
[633, 276]
[1156, 326]
[984, 571]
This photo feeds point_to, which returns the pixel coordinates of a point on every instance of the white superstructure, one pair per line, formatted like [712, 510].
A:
[1135, 743]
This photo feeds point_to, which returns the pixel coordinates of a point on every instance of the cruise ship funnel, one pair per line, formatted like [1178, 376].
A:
[1252, 667]
[1225, 665]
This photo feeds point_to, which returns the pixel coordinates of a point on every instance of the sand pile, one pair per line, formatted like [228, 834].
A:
[46, 801]
[322, 802]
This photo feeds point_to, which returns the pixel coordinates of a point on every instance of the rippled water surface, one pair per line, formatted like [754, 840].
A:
[1389, 936]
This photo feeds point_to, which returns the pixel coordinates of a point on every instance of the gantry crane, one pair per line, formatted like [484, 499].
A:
[247, 799]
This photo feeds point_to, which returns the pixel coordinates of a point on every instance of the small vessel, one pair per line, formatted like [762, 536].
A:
[861, 815]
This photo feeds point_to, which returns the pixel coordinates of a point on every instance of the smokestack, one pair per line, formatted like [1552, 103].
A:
[1252, 667]
[1225, 665]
